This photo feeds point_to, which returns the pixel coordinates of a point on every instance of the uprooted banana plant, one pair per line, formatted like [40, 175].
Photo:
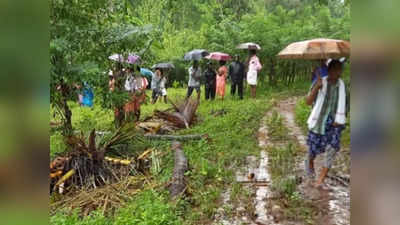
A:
[86, 165]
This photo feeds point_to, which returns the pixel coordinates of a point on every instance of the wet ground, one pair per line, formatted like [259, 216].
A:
[331, 203]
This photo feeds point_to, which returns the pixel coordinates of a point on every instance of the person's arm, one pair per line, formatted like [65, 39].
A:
[314, 92]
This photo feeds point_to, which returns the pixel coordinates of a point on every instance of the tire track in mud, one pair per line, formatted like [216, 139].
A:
[255, 178]
[333, 203]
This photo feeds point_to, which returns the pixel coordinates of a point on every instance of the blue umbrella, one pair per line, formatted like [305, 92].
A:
[146, 72]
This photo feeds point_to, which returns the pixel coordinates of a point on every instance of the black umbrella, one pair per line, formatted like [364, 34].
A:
[196, 54]
[163, 66]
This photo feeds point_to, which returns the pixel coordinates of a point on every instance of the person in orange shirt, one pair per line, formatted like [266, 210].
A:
[221, 78]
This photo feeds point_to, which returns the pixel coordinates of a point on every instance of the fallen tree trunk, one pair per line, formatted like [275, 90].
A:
[176, 137]
[178, 184]
[184, 114]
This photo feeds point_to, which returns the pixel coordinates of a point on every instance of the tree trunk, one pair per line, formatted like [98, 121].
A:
[178, 184]
[271, 73]
[176, 137]
[67, 124]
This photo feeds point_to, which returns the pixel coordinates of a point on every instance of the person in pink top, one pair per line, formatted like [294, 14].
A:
[221, 77]
[254, 66]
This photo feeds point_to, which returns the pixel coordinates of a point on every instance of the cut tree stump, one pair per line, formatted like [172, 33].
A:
[178, 184]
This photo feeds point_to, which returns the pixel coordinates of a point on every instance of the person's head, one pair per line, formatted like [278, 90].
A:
[252, 52]
[195, 63]
[158, 72]
[334, 69]
[236, 58]
[132, 70]
[222, 62]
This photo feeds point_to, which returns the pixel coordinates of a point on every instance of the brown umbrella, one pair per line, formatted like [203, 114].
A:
[320, 48]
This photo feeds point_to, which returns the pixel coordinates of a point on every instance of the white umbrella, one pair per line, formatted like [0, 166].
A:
[249, 45]
[117, 58]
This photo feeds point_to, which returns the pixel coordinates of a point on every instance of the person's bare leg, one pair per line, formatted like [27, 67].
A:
[322, 176]
[311, 165]
[253, 91]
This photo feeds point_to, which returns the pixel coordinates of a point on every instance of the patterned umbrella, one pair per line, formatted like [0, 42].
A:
[249, 45]
[220, 56]
[320, 48]
[195, 54]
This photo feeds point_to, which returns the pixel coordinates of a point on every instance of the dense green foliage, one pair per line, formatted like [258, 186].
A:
[233, 137]
[85, 33]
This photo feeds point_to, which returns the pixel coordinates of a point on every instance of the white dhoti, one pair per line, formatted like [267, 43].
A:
[252, 77]
[164, 92]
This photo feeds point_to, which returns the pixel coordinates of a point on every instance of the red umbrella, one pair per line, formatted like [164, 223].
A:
[220, 56]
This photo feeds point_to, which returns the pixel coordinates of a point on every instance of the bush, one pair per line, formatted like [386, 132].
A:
[149, 208]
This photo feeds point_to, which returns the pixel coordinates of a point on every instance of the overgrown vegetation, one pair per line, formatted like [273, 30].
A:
[84, 33]
[232, 137]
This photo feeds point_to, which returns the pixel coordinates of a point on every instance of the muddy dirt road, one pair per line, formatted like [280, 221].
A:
[330, 205]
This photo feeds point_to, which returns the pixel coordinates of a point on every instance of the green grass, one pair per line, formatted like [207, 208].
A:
[212, 164]
[276, 128]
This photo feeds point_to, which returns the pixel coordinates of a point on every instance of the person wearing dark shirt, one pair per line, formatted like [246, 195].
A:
[236, 74]
[210, 82]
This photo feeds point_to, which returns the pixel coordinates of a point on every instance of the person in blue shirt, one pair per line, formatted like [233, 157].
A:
[88, 95]
[321, 70]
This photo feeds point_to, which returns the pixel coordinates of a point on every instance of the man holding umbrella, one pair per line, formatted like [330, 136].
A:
[194, 79]
[194, 70]
[210, 81]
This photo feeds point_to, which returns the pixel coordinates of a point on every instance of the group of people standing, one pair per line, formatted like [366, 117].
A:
[132, 80]
[327, 97]
[215, 79]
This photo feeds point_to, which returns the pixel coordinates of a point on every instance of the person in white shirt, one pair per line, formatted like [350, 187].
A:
[194, 79]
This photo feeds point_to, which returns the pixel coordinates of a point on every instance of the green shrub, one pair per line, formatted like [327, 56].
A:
[149, 208]
[65, 218]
